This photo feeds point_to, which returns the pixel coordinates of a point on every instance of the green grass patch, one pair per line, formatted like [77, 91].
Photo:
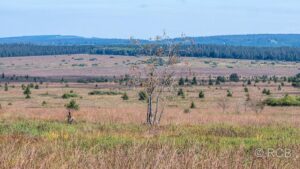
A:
[106, 136]
[285, 101]
[69, 95]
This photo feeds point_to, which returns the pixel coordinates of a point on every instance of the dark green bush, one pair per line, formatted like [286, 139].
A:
[266, 92]
[201, 95]
[142, 95]
[105, 93]
[125, 96]
[181, 93]
[234, 77]
[72, 105]
[193, 106]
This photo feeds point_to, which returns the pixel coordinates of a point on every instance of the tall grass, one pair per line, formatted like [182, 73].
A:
[53, 144]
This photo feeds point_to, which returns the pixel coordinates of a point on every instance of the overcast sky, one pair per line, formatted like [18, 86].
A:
[147, 18]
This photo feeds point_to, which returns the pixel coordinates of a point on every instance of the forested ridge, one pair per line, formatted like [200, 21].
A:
[11, 50]
[255, 40]
[213, 51]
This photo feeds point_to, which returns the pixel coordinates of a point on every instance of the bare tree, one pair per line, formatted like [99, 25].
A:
[257, 105]
[237, 108]
[156, 78]
[223, 104]
[247, 102]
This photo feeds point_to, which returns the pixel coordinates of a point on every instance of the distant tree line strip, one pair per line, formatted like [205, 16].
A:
[12, 50]
[211, 51]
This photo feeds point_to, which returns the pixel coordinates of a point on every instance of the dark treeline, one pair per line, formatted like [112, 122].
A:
[213, 51]
[252, 53]
[11, 50]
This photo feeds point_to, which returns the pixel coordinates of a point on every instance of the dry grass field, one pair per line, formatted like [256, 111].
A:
[95, 65]
[109, 132]
[112, 109]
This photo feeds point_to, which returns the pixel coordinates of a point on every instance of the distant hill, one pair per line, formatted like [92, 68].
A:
[260, 40]
[61, 40]
[254, 47]
[263, 40]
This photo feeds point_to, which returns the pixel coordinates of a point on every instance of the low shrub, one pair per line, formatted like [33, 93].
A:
[186, 111]
[193, 106]
[44, 103]
[105, 93]
[72, 105]
[181, 93]
[285, 101]
[69, 95]
[266, 92]
[125, 96]
[201, 95]
[142, 95]
[229, 93]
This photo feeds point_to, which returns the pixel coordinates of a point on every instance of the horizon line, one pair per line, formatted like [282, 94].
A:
[197, 36]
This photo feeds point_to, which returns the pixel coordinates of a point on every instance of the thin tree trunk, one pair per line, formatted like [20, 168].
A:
[148, 111]
[156, 110]
[160, 115]
[149, 114]
[69, 117]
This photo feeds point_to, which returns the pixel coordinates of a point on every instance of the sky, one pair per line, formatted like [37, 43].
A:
[147, 18]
